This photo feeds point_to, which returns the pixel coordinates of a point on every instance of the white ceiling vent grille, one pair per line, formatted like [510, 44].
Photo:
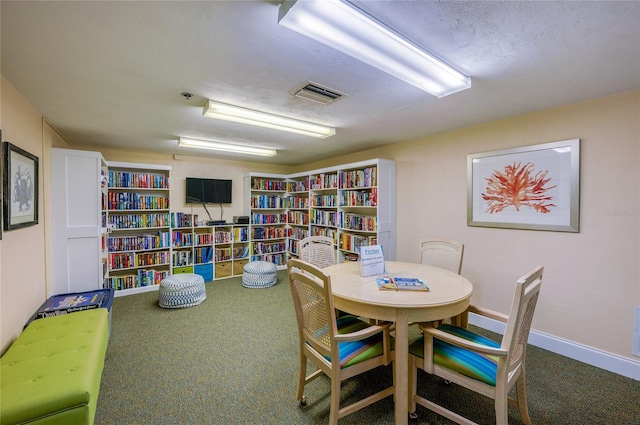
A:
[317, 93]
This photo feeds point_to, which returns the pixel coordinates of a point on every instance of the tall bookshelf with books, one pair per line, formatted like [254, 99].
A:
[267, 210]
[355, 204]
[323, 197]
[139, 225]
[297, 203]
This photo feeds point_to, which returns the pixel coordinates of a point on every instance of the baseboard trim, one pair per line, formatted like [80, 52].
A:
[583, 353]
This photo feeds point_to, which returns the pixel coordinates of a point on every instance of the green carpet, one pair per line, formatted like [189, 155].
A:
[233, 360]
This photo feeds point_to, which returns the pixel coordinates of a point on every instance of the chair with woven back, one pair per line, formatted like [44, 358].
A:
[478, 363]
[339, 347]
[443, 253]
[317, 250]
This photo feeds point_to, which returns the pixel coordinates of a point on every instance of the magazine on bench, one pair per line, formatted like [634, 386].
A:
[64, 304]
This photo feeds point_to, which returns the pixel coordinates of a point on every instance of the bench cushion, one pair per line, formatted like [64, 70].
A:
[51, 373]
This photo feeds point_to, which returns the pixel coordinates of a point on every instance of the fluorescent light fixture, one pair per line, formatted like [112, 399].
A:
[224, 111]
[224, 146]
[346, 28]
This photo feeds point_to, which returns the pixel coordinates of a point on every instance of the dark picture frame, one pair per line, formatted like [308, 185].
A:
[20, 188]
[534, 187]
[1, 186]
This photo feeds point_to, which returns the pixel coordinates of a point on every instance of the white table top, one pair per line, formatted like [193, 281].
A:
[447, 289]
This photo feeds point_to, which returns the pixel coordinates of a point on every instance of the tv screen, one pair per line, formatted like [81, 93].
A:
[208, 191]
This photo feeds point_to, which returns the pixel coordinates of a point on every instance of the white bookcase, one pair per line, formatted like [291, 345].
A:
[78, 199]
[354, 203]
[139, 226]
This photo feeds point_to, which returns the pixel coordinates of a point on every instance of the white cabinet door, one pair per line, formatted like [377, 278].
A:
[77, 220]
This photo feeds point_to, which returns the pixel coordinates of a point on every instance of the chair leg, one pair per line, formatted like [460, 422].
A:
[413, 384]
[502, 404]
[521, 395]
[301, 379]
[334, 408]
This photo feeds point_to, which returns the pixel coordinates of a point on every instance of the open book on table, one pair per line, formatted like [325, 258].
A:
[401, 283]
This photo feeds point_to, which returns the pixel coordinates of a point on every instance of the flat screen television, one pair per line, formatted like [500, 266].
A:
[208, 191]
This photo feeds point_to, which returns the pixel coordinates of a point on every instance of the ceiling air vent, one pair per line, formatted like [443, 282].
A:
[317, 93]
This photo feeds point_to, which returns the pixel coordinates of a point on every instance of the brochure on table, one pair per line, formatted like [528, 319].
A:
[371, 260]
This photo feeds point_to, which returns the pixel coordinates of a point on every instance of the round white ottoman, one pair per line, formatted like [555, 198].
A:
[181, 290]
[259, 274]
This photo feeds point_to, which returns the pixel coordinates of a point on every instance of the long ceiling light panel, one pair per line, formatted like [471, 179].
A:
[224, 147]
[344, 27]
[224, 111]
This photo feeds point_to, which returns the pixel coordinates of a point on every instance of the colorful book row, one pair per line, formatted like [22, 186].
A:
[137, 180]
[179, 219]
[267, 201]
[268, 247]
[277, 259]
[257, 218]
[143, 278]
[366, 177]
[359, 198]
[324, 218]
[135, 201]
[357, 222]
[353, 242]
[127, 260]
[138, 221]
[269, 232]
[267, 184]
[137, 243]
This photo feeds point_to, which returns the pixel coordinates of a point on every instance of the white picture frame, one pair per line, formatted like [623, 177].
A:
[534, 187]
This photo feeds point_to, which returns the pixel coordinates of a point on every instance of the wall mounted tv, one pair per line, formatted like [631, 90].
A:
[208, 191]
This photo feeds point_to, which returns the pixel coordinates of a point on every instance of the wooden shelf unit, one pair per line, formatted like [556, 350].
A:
[214, 252]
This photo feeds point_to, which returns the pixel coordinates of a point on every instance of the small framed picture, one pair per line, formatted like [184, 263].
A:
[1, 186]
[534, 187]
[20, 188]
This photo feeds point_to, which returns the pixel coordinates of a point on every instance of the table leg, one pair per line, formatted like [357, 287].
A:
[402, 368]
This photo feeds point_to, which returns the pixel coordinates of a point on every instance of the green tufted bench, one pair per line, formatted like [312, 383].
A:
[51, 373]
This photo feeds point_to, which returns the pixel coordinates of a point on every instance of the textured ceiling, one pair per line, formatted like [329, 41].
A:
[110, 74]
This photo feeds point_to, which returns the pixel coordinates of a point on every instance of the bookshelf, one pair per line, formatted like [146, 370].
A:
[355, 204]
[267, 210]
[138, 221]
[79, 218]
[214, 252]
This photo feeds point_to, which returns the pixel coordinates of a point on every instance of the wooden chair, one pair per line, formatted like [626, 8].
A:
[317, 250]
[339, 347]
[478, 363]
[442, 252]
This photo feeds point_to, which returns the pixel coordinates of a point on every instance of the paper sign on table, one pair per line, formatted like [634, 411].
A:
[371, 260]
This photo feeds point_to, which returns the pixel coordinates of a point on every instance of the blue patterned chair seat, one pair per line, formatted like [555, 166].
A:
[181, 290]
[468, 363]
[354, 352]
[259, 274]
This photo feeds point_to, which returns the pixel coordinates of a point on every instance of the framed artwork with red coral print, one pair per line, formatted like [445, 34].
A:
[534, 187]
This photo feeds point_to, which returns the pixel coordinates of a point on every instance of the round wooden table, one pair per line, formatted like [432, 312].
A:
[448, 296]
